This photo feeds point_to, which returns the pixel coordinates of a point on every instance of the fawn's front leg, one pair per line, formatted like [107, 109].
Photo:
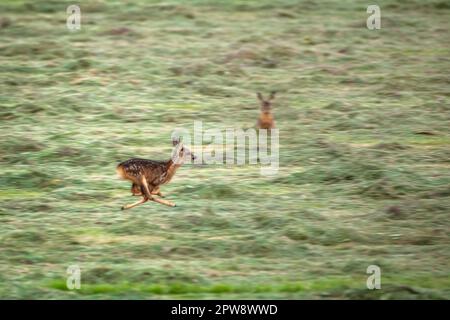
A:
[136, 190]
[157, 192]
[148, 194]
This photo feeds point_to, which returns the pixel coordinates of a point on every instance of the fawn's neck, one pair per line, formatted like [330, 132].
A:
[171, 168]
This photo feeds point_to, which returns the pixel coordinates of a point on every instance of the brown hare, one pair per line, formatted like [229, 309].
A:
[266, 119]
[148, 175]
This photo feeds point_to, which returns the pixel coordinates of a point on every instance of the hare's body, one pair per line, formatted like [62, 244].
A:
[266, 119]
[148, 175]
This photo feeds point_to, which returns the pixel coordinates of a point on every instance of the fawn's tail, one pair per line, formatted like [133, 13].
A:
[120, 171]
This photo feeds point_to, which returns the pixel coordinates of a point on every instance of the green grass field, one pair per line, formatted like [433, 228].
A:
[364, 149]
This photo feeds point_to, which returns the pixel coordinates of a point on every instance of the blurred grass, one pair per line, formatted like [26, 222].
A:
[364, 174]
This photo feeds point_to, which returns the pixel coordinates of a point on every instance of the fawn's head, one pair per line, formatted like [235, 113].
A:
[266, 104]
[181, 153]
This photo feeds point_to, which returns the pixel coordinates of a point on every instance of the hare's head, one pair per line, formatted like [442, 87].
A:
[266, 104]
[181, 153]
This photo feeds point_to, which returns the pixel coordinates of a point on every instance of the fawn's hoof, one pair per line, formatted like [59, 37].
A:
[122, 208]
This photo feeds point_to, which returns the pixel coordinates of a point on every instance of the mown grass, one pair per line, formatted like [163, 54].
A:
[330, 287]
[364, 149]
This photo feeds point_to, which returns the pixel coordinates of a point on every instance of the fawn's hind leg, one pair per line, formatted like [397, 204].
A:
[148, 194]
[129, 206]
[136, 190]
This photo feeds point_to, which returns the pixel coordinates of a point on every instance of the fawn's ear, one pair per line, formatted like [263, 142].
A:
[272, 95]
[176, 141]
[260, 97]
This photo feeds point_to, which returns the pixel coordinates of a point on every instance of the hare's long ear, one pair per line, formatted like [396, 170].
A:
[272, 95]
[260, 97]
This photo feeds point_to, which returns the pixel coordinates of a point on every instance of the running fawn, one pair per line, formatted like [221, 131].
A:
[148, 175]
[266, 119]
